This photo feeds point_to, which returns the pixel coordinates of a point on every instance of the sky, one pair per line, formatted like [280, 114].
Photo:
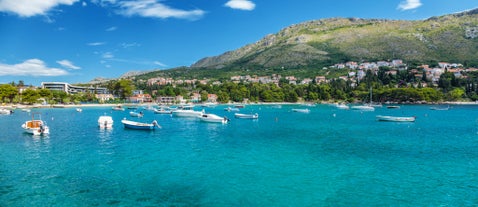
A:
[76, 41]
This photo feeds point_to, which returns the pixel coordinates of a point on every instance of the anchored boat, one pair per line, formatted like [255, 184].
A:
[36, 126]
[140, 125]
[396, 118]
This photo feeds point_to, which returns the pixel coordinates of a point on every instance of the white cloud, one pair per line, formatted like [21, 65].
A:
[28, 8]
[127, 45]
[241, 4]
[154, 9]
[160, 64]
[111, 29]
[107, 55]
[84, 4]
[409, 4]
[68, 64]
[31, 67]
[96, 43]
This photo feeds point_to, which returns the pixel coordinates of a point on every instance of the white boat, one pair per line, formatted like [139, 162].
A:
[79, 109]
[5, 111]
[239, 106]
[209, 105]
[396, 118]
[363, 108]
[36, 126]
[139, 125]
[393, 107]
[367, 107]
[132, 106]
[301, 110]
[342, 106]
[246, 116]
[118, 108]
[213, 118]
[105, 122]
[136, 114]
[149, 107]
[187, 111]
[231, 109]
[440, 108]
[162, 111]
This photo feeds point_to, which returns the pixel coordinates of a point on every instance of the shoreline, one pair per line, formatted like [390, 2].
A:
[21, 106]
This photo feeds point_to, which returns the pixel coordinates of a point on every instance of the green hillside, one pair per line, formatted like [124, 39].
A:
[305, 48]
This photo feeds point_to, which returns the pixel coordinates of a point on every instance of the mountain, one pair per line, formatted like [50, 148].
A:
[324, 42]
[301, 48]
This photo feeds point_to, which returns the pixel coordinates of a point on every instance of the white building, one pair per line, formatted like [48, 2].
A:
[70, 89]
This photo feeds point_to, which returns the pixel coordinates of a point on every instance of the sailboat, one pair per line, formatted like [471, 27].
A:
[365, 107]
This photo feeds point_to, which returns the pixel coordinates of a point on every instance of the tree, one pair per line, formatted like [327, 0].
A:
[125, 88]
[45, 93]
[204, 96]
[455, 94]
[30, 96]
[59, 96]
[312, 96]
[7, 91]
[445, 81]
[291, 96]
[222, 97]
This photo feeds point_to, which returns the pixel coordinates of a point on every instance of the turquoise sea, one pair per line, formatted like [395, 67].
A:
[328, 157]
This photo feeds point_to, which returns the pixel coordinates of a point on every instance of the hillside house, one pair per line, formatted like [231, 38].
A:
[195, 97]
[104, 97]
[165, 100]
[140, 98]
[211, 98]
[320, 79]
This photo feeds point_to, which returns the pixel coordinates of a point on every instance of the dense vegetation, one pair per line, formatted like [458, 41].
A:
[401, 88]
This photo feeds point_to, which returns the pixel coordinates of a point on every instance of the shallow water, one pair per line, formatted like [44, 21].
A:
[328, 157]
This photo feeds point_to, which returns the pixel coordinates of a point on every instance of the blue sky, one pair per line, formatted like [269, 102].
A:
[76, 41]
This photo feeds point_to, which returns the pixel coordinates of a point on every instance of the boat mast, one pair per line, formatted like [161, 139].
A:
[370, 95]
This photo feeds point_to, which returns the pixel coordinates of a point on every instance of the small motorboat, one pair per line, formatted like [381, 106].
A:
[187, 112]
[118, 108]
[231, 109]
[79, 109]
[105, 122]
[396, 118]
[246, 116]
[162, 111]
[342, 106]
[363, 108]
[239, 106]
[6, 111]
[36, 126]
[213, 118]
[393, 107]
[139, 125]
[133, 106]
[301, 110]
[440, 108]
[136, 114]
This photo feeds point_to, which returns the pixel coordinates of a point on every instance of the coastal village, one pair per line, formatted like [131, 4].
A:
[358, 73]
[355, 71]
